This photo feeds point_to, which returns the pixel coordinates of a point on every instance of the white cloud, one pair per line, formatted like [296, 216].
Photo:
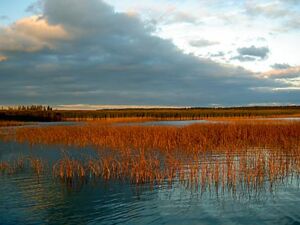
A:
[202, 43]
[30, 34]
[284, 71]
[3, 58]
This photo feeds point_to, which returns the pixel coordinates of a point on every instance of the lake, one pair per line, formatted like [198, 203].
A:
[30, 199]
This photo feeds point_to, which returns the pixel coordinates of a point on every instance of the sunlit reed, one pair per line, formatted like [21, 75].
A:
[246, 156]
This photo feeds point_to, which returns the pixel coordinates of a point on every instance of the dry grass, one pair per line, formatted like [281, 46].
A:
[250, 172]
[12, 167]
[227, 156]
[10, 123]
[94, 121]
[196, 138]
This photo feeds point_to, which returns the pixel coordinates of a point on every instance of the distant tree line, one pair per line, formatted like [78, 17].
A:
[29, 113]
[28, 108]
[184, 113]
[46, 113]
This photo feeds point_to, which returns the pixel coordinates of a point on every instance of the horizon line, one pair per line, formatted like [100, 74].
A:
[116, 106]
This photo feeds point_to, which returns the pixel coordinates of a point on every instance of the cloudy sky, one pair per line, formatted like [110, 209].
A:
[167, 52]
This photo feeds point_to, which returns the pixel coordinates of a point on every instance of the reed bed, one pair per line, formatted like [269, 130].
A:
[221, 157]
[195, 138]
[10, 123]
[21, 163]
[244, 174]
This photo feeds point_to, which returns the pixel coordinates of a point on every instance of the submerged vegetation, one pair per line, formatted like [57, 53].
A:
[229, 156]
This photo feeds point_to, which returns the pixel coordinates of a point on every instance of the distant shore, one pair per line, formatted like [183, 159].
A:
[47, 114]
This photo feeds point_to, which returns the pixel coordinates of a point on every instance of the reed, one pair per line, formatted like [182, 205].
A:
[246, 173]
[191, 139]
[4, 166]
[235, 156]
[37, 165]
[12, 167]
[10, 123]
[67, 169]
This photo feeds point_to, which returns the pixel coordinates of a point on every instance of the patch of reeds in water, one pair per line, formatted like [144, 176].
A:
[254, 171]
[221, 157]
[10, 123]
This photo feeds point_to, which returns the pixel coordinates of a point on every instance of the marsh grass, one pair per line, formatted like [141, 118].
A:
[10, 123]
[223, 137]
[231, 157]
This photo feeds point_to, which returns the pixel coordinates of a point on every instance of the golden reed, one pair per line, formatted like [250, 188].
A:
[235, 155]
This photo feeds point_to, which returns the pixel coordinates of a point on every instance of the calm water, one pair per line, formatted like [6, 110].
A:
[189, 122]
[167, 123]
[145, 123]
[28, 199]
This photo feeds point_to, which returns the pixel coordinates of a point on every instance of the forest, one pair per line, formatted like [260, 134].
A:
[47, 113]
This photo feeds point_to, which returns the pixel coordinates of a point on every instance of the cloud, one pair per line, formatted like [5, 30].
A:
[3, 58]
[292, 24]
[289, 75]
[30, 34]
[3, 17]
[284, 71]
[260, 52]
[85, 52]
[273, 10]
[180, 17]
[165, 13]
[280, 66]
[218, 54]
[244, 58]
[35, 7]
[285, 12]
[252, 53]
[292, 2]
[202, 43]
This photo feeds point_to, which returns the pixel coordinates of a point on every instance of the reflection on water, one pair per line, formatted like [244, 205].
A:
[202, 121]
[258, 187]
[32, 202]
[167, 123]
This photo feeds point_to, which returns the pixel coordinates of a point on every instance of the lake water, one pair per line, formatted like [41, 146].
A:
[166, 123]
[26, 198]
[146, 123]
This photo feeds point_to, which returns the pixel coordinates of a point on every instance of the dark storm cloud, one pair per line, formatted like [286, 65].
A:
[86, 52]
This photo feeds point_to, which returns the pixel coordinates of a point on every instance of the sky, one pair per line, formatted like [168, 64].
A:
[157, 53]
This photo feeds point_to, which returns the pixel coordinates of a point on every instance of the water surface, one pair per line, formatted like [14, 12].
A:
[166, 123]
[30, 199]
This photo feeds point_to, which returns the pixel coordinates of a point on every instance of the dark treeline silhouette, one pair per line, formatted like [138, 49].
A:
[46, 113]
[28, 108]
[29, 113]
[185, 113]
